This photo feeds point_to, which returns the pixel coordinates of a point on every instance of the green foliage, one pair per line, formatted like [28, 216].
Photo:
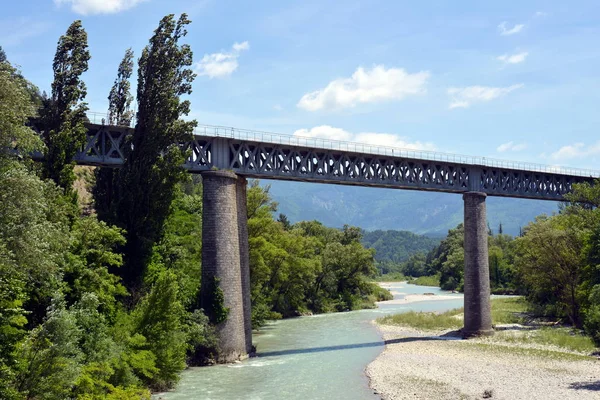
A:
[65, 328]
[216, 310]
[180, 248]
[120, 98]
[63, 115]
[549, 259]
[305, 267]
[433, 280]
[151, 173]
[92, 255]
[119, 102]
[393, 248]
[381, 294]
[15, 110]
[158, 318]
[50, 357]
[592, 315]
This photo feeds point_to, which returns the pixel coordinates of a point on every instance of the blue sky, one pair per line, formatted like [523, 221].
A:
[516, 80]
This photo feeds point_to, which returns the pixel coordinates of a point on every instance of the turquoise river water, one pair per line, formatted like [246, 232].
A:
[315, 357]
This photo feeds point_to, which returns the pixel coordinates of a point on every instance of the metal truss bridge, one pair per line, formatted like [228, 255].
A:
[273, 156]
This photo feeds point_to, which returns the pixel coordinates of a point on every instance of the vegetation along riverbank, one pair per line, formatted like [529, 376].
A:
[100, 268]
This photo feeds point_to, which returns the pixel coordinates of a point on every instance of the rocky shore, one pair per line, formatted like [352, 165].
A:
[439, 365]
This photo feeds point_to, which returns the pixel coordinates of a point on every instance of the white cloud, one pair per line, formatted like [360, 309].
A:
[505, 31]
[511, 146]
[539, 14]
[219, 65]
[365, 86]
[464, 97]
[513, 58]
[88, 7]
[576, 150]
[372, 138]
[277, 107]
[241, 46]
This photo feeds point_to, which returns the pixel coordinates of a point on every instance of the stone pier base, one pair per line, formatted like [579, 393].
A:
[225, 261]
[478, 316]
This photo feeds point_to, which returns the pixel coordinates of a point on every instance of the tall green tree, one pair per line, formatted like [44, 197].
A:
[105, 190]
[120, 98]
[152, 170]
[16, 109]
[64, 113]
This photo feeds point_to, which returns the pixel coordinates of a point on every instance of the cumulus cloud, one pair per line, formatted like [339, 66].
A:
[576, 150]
[506, 31]
[511, 146]
[465, 97]
[89, 7]
[365, 86]
[372, 138]
[220, 65]
[513, 58]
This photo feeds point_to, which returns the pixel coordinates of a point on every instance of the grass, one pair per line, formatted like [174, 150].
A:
[504, 311]
[508, 311]
[432, 280]
[497, 347]
[425, 320]
[564, 338]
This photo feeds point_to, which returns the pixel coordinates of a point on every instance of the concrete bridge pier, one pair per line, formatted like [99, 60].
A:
[225, 262]
[478, 316]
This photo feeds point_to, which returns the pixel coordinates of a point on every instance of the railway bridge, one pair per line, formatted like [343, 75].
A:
[226, 157]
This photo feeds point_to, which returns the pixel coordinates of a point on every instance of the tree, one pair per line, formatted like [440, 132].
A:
[500, 229]
[152, 170]
[120, 98]
[549, 260]
[2, 55]
[158, 318]
[119, 113]
[15, 111]
[64, 114]
[285, 222]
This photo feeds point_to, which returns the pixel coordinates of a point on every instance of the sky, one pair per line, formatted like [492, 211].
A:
[514, 80]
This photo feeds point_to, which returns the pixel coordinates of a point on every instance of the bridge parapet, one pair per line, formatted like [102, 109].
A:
[272, 156]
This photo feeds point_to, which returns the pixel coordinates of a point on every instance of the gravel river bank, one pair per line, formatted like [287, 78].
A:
[438, 365]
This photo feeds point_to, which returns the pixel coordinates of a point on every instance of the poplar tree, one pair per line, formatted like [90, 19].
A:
[120, 98]
[119, 113]
[64, 114]
[153, 169]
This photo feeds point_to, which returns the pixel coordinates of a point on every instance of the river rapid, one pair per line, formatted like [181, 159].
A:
[314, 357]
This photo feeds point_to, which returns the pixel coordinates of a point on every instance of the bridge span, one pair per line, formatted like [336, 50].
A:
[225, 157]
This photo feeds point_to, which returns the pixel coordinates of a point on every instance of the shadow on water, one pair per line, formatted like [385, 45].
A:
[593, 386]
[448, 336]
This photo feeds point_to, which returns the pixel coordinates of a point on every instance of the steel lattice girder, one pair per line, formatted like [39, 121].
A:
[107, 146]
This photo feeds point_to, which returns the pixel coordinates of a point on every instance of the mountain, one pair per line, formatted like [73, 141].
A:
[397, 246]
[430, 213]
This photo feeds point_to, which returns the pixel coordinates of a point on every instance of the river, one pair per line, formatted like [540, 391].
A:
[315, 357]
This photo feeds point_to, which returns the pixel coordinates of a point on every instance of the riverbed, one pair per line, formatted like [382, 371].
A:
[314, 357]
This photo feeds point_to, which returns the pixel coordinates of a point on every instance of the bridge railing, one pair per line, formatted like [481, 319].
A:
[364, 148]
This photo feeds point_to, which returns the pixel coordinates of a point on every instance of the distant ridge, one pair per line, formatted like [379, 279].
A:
[428, 213]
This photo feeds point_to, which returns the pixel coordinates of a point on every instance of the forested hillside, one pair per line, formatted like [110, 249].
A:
[392, 248]
[402, 210]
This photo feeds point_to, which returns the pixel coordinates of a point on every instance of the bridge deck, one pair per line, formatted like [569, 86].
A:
[272, 156]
